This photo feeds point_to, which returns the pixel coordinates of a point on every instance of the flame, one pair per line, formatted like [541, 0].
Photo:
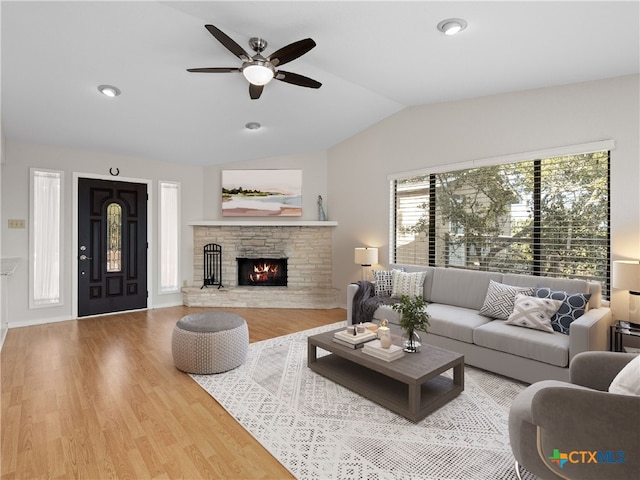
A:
[264, 272]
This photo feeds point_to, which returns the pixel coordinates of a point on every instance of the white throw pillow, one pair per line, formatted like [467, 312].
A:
[534, 312]
[409, 284]
[627, 382]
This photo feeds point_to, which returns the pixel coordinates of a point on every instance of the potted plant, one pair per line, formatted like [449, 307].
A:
[413, 316]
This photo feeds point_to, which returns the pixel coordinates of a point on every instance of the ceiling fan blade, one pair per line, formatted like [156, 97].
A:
[214, 69]
[255, 91]
[296, 79]
[291, 52]
[228, 42]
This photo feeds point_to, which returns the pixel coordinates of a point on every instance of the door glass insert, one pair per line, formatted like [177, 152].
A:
[114, 237]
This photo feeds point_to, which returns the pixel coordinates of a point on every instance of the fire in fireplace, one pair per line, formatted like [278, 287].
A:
[267, 272]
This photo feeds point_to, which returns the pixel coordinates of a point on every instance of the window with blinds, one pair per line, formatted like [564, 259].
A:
[540, 217]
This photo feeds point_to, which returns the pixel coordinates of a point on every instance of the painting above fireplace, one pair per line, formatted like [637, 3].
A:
[263, 272]
[259, 193]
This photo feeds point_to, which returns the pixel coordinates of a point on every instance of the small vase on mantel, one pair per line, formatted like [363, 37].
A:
[384, 334]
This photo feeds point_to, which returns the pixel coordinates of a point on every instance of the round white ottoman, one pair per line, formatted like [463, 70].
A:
[210, 342]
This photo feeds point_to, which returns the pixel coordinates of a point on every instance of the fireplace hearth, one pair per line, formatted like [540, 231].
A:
[264, 272]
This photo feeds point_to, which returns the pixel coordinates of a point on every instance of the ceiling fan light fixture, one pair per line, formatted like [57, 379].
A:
[451, 26]
[109, 90]
[258, 73]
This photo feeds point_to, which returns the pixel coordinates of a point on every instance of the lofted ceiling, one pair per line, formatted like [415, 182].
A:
[373, 59]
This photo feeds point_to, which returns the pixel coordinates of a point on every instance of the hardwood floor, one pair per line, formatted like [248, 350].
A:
[101, 398]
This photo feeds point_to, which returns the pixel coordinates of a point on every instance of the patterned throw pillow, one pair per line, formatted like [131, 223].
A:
[533, 312]
[573, 306]
[409, 284]
[384, 282]
[500, 299]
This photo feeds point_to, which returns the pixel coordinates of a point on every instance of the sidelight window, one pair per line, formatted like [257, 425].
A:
[45, 239]
[169, 235]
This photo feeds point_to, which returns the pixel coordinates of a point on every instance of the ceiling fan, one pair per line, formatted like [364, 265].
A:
[259, 70]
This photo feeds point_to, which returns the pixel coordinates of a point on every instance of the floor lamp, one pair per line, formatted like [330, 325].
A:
[365, 257]
[626, 276]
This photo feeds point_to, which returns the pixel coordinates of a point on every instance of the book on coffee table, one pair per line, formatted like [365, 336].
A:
[387, 354]
[354, 341]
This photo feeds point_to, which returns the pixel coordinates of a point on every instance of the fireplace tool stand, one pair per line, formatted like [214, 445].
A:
[212, 265]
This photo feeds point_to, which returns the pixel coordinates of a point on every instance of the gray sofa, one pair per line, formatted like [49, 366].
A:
[455, 297]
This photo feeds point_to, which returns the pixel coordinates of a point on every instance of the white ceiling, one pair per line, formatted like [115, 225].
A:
[373, 58]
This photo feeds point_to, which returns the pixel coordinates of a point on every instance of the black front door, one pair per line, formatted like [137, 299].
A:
[112, 243]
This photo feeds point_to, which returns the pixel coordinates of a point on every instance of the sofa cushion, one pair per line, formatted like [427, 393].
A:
[567, 284]
[454, 322]
[534, 312]
[409, 284]
[461, 288]
[570, 285]
[387, 311]
[572, 306]
[500, 299]
[552, 348]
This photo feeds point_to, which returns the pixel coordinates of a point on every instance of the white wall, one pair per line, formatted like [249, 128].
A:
[19, 158]
[314, 183]
[4, 317]
[479, 128]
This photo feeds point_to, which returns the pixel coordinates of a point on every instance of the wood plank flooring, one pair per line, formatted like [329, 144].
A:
[101, 398]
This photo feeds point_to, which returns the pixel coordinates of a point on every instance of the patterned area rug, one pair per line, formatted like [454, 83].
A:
[320, 430]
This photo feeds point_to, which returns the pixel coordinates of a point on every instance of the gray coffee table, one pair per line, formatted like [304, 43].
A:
[410, 386]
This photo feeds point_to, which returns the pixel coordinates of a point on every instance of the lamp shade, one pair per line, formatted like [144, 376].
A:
[366, 256]
[626, 275]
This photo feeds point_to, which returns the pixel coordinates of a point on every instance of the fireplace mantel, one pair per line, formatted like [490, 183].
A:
[262, 223]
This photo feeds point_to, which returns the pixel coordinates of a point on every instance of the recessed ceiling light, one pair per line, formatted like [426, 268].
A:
[253, 126]
[109, 90]
[451, 26]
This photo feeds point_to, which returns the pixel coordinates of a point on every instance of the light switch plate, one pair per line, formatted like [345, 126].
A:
[13, 223]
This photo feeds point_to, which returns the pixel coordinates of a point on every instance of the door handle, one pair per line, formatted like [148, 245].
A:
[84, 257]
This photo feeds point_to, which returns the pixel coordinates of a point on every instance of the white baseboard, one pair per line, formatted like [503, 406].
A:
[39, 321]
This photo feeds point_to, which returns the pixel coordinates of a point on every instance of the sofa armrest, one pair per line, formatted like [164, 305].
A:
[597, 369]
[352, 288]
[590, 331]
[571, 419]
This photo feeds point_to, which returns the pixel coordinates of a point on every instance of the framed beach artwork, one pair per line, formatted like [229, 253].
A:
[261, 193]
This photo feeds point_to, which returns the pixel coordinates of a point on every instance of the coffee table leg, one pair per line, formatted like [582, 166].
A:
[415, 392]
[458, 375]
[312, 353]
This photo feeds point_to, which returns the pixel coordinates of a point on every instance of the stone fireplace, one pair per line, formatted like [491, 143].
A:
[307, 247]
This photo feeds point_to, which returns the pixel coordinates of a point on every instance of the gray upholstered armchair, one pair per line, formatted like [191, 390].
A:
[578, 424]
